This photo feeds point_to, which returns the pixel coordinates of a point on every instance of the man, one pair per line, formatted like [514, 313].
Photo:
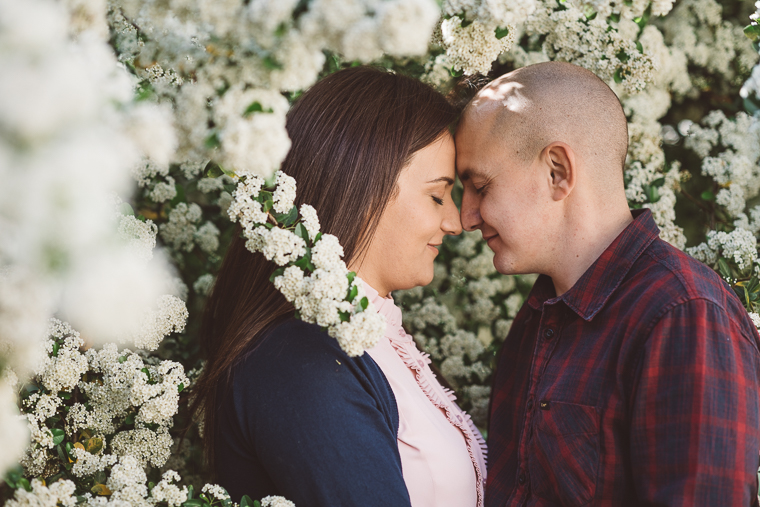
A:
[630, 375]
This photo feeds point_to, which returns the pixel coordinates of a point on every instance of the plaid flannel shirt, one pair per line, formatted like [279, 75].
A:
[639, 386]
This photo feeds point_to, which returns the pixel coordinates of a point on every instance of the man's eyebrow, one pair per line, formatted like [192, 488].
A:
[469, 173]
[448, 180]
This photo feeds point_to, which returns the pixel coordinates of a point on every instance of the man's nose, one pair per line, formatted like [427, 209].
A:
[470, 213]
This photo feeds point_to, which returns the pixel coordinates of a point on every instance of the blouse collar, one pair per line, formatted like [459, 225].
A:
[386, 307]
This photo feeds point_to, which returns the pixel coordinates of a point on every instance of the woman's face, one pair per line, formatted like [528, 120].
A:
[414, 223]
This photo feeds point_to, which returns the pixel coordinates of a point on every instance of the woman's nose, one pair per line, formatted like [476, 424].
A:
[451, 223]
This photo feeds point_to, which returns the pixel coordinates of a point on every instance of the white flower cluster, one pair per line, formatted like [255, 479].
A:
[222, 66]
[473, 48]
[276, 501]
[739, 246]
[114, 387]
[736, 168]
[697, 28]
[476, 32]
[592, 44]
[60, 493]
[127, 485]
[70, 135]
[325, 296]
[140, 236]
[755, 319]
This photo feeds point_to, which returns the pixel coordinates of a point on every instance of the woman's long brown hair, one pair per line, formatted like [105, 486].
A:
[352, 133]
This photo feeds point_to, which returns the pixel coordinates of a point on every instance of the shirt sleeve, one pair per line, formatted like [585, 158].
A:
[694, 411]
[320, 424]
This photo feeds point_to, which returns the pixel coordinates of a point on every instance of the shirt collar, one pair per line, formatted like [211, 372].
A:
[593, 289]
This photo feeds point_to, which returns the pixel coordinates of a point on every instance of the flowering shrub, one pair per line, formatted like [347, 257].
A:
[330, 295]
[133, 131]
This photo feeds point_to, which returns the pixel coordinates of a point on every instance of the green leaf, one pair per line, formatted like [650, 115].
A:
[301, 231]
[287, 219]
[56, 347]
[246, 501]
[24, 483]
[190, 491]
[658, 182]
[466, 23]
[618, 77]
[194, 502]
[126, 209]
[351, 277]
[180, 387]
[277, 272]
[622, 56]
[305, 261]
[344, 316]
[502, 32]
[752, 32]
[228, 172]
[130, 419]
[213, 141]
[723, 268]
[256, 107]
[707, 196]
[214, 171]
[256, 503]
[94, 445]
[318, 237]
[267, 205]
[364, 302]
[352, 293]
[58, 435]
[456, 73]
[180, 197]
[272, 64]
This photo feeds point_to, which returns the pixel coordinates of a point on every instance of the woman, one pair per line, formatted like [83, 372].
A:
[285, 410]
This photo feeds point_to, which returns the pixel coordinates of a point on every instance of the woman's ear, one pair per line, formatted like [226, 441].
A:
[561, 169]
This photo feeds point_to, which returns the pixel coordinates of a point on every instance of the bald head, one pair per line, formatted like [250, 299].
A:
[534, 106]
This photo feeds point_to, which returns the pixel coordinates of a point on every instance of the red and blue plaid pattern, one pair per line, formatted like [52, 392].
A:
[639, 386]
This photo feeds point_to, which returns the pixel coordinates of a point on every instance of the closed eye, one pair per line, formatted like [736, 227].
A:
[438, 200]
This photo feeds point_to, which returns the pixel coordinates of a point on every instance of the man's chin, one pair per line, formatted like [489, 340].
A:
[507, 266]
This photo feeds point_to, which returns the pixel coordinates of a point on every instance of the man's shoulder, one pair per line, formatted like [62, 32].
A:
[667, 277]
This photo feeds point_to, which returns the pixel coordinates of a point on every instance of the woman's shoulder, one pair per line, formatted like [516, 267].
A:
[294, 345]
[299, 357]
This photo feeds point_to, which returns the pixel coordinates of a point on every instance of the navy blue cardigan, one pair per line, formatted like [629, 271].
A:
[305, 421]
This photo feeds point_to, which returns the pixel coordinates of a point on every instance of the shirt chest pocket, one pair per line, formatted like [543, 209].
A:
[564, 453]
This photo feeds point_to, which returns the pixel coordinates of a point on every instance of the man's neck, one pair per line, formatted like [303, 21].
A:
[583, 243]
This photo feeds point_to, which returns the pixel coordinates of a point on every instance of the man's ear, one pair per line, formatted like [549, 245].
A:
[559, 160]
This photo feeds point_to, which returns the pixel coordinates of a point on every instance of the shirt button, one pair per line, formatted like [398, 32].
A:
[549, 334]
[521, 478]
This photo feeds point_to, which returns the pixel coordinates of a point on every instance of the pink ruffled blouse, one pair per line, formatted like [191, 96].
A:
[442, 452]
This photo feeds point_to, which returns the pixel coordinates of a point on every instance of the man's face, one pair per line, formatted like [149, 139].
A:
[504, 196]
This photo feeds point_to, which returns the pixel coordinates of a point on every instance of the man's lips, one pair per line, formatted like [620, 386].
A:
[489, 238]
